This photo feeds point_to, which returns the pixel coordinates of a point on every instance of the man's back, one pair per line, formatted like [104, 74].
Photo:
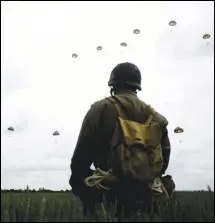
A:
[98, 128]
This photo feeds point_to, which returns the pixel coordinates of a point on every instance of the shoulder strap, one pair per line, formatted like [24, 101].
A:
[116, 102]
[148, 121]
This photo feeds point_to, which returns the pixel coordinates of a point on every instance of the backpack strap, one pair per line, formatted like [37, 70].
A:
[116, 102]
[148, 121]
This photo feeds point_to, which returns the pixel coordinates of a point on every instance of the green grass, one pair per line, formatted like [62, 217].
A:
[65, 207]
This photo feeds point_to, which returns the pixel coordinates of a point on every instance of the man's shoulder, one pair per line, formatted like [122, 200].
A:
[161, 119]
[101, 109]
[158, 117]
[101, 104]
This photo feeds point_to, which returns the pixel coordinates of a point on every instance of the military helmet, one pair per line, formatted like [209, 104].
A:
[125, 74]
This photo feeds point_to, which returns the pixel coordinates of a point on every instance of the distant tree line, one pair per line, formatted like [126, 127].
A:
[33, 190]
[42, 189]
[64, 191]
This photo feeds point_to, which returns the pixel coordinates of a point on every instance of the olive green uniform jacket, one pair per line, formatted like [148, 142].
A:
[96, 134]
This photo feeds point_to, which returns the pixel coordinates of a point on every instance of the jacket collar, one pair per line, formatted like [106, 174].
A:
[126, 92]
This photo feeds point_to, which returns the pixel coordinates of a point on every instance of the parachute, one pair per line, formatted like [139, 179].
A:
[74, 55]
[10, 128]
[206, 36]
[178, 130]
[172, 23]
[136, 31]
[56, 133]
[123, 44]
[99, 48]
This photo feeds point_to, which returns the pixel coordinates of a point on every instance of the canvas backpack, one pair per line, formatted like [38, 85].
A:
[135, 149]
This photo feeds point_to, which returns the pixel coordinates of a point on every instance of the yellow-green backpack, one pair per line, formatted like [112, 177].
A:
[135, 151]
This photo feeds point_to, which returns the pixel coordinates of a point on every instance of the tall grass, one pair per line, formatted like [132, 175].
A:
[65, 207]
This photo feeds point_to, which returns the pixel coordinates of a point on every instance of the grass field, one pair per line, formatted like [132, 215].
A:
[65, 207]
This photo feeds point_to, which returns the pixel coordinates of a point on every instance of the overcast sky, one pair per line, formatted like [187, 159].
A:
[44, 89]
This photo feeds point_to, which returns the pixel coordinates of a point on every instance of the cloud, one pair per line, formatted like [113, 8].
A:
[44, 89]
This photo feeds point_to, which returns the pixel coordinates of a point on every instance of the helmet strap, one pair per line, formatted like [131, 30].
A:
[112, 91]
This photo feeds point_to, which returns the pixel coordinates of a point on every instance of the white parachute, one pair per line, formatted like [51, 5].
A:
[136, 31]
[123, 44]
[55, 133]
[99, 48]
[178, 130]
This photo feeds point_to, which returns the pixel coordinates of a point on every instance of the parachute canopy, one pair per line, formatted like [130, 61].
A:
[206, 36]
[11, 128]
[178, 130]
[172, 23]
[136, 31]
[56, 133]
[99, 48]
[74, 55]
[123, 44]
